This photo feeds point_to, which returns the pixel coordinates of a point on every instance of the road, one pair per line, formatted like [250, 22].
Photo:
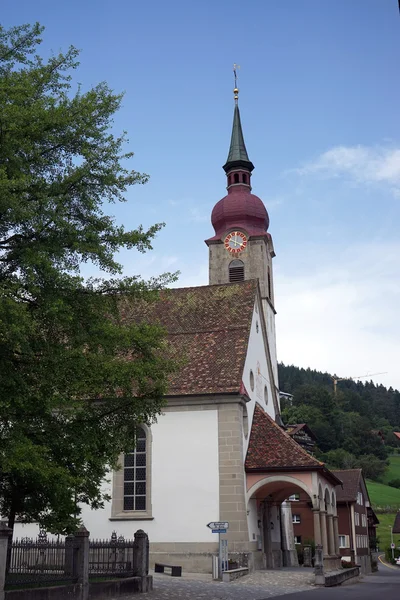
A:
[385, 584]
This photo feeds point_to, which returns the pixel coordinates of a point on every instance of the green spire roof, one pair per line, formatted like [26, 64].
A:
[237, 156]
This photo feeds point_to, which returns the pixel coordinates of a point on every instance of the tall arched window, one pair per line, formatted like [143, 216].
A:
[244, 178]
[236, 177]
[135, 464]
[131, 491]
[236, 270]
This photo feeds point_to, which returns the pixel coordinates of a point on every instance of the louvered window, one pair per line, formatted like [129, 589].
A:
[236, 271]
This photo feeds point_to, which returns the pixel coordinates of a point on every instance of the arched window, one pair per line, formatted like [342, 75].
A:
[229, 180]
[236, 270]
[135, 464]
[236, 177]
[131, 493]
[244, 178]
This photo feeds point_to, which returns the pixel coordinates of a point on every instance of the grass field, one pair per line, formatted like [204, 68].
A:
[382, 495]
[393, 471]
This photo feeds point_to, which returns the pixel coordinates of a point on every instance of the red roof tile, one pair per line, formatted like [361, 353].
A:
[351, 479]
[208, 328]
[270, 447]
[397, 434]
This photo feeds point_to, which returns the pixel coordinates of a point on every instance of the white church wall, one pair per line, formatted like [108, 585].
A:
[271, 332]
[256, 361]
[185, 484]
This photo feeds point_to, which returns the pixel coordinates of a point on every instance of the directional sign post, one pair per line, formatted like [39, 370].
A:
[221, 527]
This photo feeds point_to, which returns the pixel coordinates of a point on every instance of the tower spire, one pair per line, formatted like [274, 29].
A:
[237, 156]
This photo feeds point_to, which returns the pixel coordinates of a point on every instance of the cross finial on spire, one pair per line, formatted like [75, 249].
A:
[235, 91]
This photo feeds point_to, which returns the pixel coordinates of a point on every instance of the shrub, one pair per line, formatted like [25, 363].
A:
[395, 483]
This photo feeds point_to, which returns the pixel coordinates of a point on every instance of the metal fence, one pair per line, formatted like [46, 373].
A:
[111, 558]
[39, 561]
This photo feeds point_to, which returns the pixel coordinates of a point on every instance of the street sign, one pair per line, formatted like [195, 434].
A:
[218, 530]
[393, 546]
[218, 525]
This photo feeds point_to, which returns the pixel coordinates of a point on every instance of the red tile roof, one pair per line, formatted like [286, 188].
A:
[208, 329]
[351, 479]
[396, 526]
[397, 434]
[270, 447]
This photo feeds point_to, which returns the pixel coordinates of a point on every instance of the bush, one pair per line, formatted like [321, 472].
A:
[395, 483]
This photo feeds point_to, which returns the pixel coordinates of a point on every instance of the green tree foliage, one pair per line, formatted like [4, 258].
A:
[349, 425]
[69, 396]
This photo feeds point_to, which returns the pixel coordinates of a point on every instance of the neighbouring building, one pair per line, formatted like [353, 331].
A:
[219, 451]
[354, 507]
[396, 525]
[303, 435]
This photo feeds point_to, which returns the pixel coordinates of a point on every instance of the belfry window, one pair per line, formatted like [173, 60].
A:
[135, 464]
[236, 177]
[244, 178]
[236, 271]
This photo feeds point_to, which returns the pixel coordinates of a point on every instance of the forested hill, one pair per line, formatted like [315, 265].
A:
[349, 425]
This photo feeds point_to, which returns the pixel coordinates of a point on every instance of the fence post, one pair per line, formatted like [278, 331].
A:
[141, 554]
[5, 535]
[81, 563]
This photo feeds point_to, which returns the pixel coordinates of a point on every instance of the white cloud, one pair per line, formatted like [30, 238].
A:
[199, 215]
[344, 317]
[362, 164]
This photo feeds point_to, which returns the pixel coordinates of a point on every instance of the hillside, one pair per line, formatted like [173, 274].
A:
[354, 427]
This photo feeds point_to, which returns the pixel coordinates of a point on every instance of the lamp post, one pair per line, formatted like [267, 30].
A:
[391, 537]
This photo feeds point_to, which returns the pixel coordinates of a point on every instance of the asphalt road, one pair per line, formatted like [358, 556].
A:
[385, 584]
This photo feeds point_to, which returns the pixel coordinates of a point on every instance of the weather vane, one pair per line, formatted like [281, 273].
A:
[235, 75]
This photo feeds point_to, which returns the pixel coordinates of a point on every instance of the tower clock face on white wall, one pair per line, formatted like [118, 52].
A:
[235, 242]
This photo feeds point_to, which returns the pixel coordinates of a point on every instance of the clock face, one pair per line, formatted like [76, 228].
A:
[235, 242]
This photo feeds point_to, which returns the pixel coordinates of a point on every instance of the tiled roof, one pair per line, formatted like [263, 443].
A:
[208, 330]
[351, 485]
[270, 447]
[396, 526]
[397, 434]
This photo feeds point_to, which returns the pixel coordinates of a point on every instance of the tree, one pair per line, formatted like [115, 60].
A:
[76, 378]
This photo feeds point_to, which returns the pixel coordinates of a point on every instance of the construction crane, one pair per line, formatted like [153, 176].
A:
[336, 379]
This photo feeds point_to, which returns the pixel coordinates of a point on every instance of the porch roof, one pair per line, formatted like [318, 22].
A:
[272, 449]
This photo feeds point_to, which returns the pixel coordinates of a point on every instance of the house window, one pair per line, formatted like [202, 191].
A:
[342, 541]
[357, 518]
[363, 520]
[297, 539]
[236, 271]
[131, 494]
[294, 498]
[360, 498]
[296, 519]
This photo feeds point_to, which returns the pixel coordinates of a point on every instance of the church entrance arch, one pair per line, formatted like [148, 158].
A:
[268, 500]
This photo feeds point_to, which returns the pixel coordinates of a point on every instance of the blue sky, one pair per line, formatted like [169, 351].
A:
[319, 96]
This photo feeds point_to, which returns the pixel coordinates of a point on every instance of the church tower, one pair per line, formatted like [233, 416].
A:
[242, 248]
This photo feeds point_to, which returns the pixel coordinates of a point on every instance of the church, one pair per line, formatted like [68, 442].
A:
[219, 451]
